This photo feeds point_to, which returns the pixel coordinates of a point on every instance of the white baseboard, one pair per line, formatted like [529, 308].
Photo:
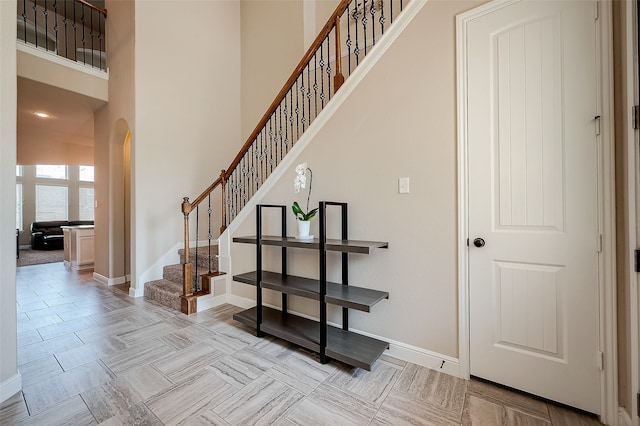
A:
[623, 417]
[136, 291]
[109, 281]
[210, 301]
[400, 350]
[10, 387]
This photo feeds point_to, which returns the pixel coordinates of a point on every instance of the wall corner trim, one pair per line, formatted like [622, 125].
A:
[10, 387]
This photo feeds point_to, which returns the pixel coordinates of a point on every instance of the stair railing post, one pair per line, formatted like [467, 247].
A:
[187, 277]
[338, 79]
[223, 216]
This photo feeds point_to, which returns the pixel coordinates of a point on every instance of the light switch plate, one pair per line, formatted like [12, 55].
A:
[403, 185]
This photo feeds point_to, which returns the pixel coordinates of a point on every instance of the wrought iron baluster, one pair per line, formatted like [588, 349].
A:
[24, 18]
[373, 20]
[84, 39]
[75, 34]
[364, 21]
[329, 65]
[271, 144]
[91, 32]
[315, 86]
[309, 93]
[280, 133]
[66, 38]
[195, 273]
[45, 12]
[321, 76]
[209, 235]
[382, 4]
[55, 22]
[391, 10]
[297, 114]
[35, 22]
[348, 42]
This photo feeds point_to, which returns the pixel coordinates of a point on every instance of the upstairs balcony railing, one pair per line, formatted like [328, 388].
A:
[72, 29]
[349, 34]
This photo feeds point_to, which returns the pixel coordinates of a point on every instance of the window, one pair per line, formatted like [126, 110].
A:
[52, 172]
[86, 173]
[86, 203]
[52, 202]
[18, 170]
[19, 206]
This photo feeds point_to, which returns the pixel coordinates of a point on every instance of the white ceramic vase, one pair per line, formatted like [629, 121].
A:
[303, 228]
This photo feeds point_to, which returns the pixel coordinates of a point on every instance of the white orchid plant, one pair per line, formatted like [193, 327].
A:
[299, 183]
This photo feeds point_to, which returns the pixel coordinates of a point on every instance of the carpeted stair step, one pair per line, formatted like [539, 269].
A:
[164, 292]
[202, 255]
[174, 272]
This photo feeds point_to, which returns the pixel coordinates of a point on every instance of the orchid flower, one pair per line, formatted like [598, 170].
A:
[300, 182]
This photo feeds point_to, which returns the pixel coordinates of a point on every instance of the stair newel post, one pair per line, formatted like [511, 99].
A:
[187, 289]
[338, 79]
[223, 207]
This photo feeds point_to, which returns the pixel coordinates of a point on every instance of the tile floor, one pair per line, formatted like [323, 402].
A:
[89, 354]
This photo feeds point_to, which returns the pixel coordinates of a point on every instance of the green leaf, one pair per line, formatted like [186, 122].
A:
[311, 214]
[297, 211]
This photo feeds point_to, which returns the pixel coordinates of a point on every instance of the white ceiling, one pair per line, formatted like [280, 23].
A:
[71, 114]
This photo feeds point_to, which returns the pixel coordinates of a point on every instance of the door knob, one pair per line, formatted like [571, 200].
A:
[478, 242]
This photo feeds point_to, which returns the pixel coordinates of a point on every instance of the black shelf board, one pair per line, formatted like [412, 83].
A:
[348, 296]
[344, 246]
[346, 346]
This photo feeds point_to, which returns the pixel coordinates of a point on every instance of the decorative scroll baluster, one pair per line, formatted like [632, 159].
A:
[364, 21]
[309, 93]
[55, 23]
[75, 34]
[35, 21]
[84, 39]
[45, 12]
[372, 11]
[24, 18]
[195, 281]
[382, 18]
[328, 70]
[209, 234]
[66, 38]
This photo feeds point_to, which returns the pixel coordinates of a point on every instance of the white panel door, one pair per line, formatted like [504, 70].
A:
[532, 158]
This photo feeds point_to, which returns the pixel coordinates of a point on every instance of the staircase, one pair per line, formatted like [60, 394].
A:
[342, 44]
[168, 290]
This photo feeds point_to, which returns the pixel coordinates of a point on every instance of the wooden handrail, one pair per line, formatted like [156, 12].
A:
[331, 22]
[96, 8]
[335, 17]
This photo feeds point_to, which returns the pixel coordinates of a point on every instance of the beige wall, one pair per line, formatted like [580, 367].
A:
[187, 114]
[41, 151]
[111, 125]
[399, 122]
[272, 45]
[9, 378]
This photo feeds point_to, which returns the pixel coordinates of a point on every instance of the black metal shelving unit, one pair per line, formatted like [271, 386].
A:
[328, 341]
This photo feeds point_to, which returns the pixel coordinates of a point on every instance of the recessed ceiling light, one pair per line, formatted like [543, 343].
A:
[42, 114]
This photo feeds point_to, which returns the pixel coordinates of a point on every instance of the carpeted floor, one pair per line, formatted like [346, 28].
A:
[37, 257]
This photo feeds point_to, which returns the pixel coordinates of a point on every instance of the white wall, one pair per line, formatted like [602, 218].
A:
[10, 382]
[399, 122]
[187, 115]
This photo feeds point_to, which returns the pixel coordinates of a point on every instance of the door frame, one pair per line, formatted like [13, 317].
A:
[632, 139]
[606, 199]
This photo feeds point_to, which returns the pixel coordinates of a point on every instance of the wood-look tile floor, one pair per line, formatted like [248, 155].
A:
[89, 354]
